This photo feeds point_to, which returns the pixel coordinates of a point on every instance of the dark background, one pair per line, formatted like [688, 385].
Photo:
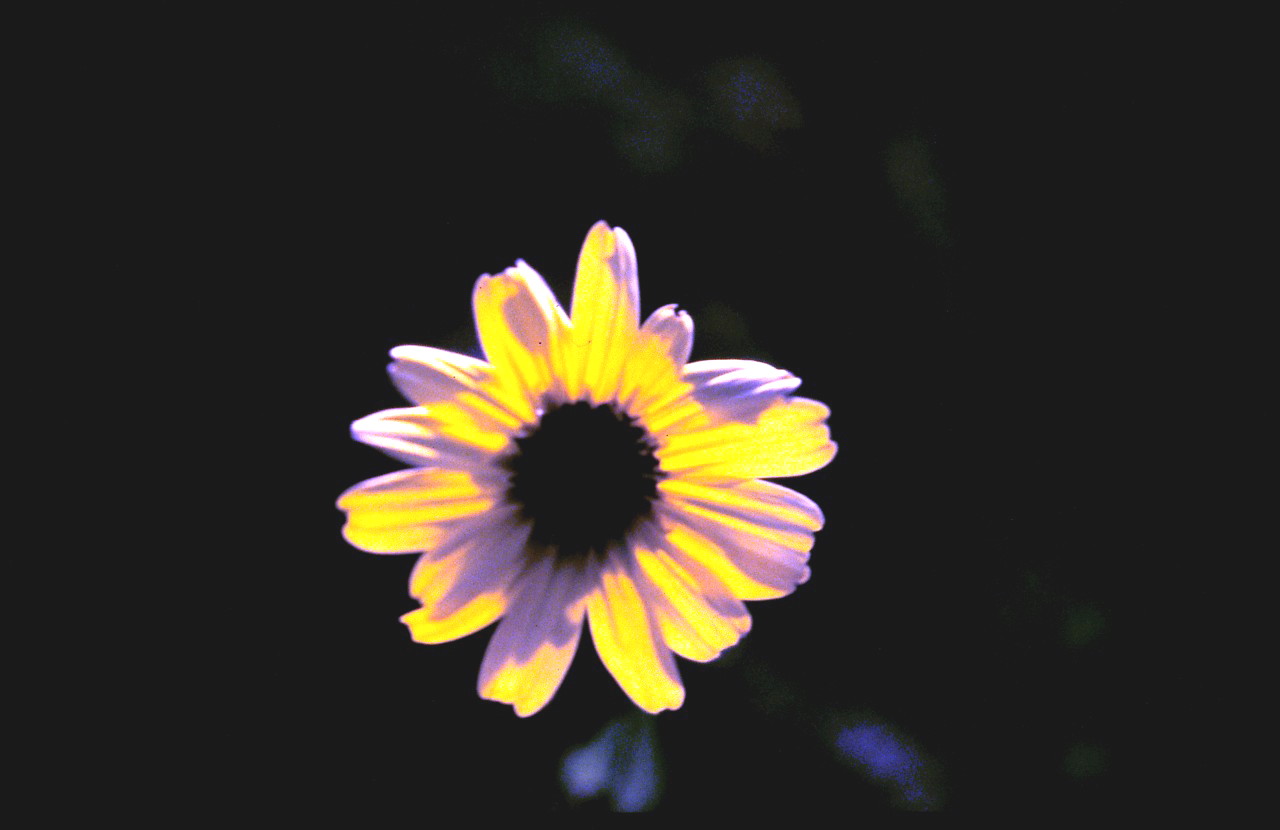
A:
[932, 227]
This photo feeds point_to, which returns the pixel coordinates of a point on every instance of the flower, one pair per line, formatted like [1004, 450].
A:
[586, 470]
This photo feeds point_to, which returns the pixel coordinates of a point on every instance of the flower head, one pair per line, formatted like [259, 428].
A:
[587, 471]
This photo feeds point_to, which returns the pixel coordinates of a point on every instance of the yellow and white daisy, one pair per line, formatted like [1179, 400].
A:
[586, 470]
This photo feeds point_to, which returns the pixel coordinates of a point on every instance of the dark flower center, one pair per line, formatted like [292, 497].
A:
[583, 476]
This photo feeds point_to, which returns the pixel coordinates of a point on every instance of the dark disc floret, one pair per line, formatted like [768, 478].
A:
[583, 476]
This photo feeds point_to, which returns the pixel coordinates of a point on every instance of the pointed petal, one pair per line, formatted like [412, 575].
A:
[738, 390]
[533, 645]
[448, 434]
[673, 329]
[605, 313]
[755, 536]
[697, 614]
[764, 505]
[465, 586]
[413, 510]
[629, 642]
[522, 329]
[427, 376]
[790, 438]
[652, 374]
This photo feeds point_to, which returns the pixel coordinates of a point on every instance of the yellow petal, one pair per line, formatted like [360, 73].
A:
[673, 329]
[531, 649]
[738, 390]
[448, 434]
[522, 329]
[397, 539]
[758, 553]
[412, 510]
[628, 640]
[652, 374]
[790, 438]
[718, 392]
[465, 587]
[605, 314]
[698, 616]
[427, 376]
[762, 508]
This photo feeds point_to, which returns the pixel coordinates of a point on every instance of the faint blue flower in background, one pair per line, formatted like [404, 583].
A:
[887, 758]
[621, 762]
[752, 102]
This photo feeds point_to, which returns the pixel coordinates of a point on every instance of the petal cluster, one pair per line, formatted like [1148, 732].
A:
[718, 533]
